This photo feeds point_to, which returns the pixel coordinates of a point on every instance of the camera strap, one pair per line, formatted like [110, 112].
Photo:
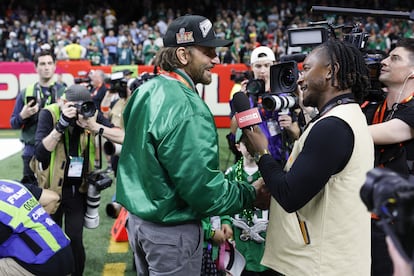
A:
[85, 170]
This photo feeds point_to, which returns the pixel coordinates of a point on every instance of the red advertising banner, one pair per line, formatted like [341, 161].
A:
[14, 76]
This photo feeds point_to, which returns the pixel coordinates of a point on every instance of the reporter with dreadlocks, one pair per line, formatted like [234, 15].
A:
[392, 128]
[318, 223]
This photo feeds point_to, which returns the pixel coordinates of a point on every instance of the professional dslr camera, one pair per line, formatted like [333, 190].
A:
[97, 181]
[391, 198]
[86, 109]
[283, 78]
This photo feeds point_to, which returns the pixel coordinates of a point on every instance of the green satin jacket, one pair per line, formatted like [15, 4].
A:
[168, 170]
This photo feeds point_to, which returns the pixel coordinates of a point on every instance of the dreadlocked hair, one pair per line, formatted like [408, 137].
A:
[353, 72]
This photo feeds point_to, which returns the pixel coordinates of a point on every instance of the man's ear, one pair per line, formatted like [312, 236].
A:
[330, 72]
[182, 55]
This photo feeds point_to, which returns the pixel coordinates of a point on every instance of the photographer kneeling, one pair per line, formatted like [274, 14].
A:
[65, 150]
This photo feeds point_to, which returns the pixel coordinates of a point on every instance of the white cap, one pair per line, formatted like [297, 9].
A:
[262, 53]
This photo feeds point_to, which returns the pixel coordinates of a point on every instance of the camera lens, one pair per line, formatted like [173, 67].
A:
[255, 87]
[87, 109]
[287, 78]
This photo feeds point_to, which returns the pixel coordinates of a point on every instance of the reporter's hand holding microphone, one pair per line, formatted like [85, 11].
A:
[247, 119]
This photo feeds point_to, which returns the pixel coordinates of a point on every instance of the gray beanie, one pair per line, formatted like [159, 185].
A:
[78, 93]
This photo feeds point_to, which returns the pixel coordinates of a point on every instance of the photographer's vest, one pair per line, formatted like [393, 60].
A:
[58, 157]
[28, 132]
[338, 223]
[36, 237]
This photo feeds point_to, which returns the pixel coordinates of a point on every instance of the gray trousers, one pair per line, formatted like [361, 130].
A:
[161, 250]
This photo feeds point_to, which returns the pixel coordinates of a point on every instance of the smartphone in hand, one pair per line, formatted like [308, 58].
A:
[31, 98]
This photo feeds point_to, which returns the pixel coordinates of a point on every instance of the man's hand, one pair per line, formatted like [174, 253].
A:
[262, 195]
[257, 140]
[28, 110]
[401, 266]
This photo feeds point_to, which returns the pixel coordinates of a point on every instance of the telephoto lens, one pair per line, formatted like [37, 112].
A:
[91, 219]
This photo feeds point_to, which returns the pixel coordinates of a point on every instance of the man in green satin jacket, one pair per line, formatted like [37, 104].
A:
[168, 172]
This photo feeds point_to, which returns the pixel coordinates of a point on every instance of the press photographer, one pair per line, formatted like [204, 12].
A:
[65, 152]
[276, 105]
[391, 198]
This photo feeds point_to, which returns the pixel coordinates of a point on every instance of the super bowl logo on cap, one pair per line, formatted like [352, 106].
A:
[205, 27]
[184, 37]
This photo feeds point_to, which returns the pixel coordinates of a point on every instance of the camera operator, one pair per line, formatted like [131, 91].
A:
[98, 89]
[65, 146]
[280, 128]
[318, 224]
[392, 130]
[28, 104]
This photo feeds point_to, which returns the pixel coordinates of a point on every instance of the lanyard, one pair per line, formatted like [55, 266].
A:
[181, 77]
[380, 112]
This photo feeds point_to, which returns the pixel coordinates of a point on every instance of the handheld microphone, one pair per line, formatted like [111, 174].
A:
[245, 116]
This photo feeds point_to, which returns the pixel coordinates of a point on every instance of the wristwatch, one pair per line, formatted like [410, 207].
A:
[259, 155]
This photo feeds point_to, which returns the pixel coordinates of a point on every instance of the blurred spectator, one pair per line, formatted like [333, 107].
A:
[15, 50]
[74, 50]
[60, 51]
[94, 55]
[110, 43]
[125, 54]
[106, 58]
[150, 50]
[110, 20]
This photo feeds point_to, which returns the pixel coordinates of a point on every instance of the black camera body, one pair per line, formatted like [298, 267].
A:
[239, 76]
[319, 32]
[391, 198]
[118, 84]
[84, 79]
[86, 109]
[283, 85]
[100, 180]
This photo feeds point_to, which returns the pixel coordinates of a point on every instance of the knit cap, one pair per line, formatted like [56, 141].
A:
[78, 93]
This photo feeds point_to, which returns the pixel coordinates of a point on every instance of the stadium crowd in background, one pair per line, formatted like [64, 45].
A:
[102, 29]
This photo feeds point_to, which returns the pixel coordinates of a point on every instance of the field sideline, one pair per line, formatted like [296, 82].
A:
[103, 255]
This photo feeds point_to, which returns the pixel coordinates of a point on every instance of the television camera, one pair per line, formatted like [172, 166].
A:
[391, 198]
[283, 78]
[83, 79]
[118, 84]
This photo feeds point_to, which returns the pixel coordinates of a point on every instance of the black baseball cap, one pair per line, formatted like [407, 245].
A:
[191, 30]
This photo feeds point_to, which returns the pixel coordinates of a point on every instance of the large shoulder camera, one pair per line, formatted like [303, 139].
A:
[391, 198]
[283, 84]
[118, 84]
[83, 79]
[319, 32]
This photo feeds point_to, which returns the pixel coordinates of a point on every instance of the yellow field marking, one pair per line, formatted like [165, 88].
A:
[117, 247]
[114, 269]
